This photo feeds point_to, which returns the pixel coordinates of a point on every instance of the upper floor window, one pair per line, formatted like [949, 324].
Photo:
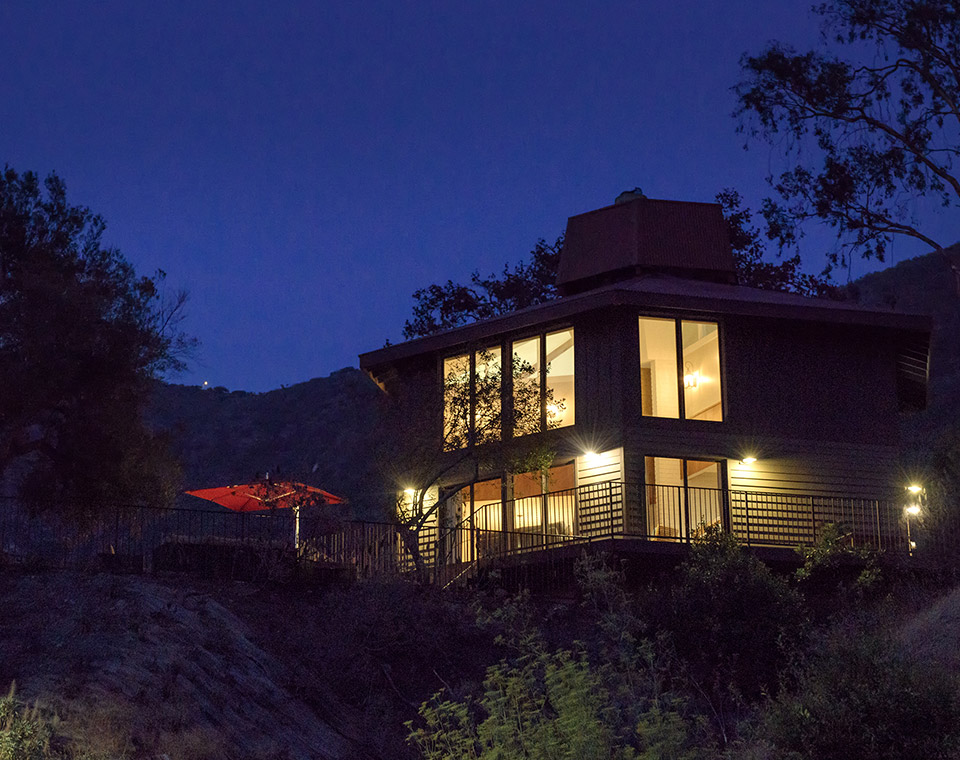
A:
[680, 355]
[540, 379]
[543, 382]
[472, 398]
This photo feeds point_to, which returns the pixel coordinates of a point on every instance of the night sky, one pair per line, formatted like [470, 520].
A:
[302, 167]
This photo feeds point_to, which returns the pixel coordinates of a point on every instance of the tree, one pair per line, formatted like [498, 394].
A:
[748, 252]
[869, 130]
[440, 307]
[81, 339]
[473, 443]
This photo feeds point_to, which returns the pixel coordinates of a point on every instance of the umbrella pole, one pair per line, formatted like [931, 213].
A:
[296, 529]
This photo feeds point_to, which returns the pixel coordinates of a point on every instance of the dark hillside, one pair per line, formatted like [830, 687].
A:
[318, 432]
[926, 285]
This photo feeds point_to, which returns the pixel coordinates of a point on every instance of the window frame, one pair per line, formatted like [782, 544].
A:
[541, 337]
[678, 355]
[505, 346]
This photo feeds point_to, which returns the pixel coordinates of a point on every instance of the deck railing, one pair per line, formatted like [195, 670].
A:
[147, 539]
[658, 513]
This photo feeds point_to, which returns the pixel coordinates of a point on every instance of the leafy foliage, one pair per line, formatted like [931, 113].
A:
[868, 129]
[601, 699]
[733, 625]
[857, 696]
[440, 307]
[80, 337]
[748, 253]
[25, 734]
[545, 706]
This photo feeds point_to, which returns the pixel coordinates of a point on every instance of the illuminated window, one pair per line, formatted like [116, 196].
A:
[487, 395]
[545, 501]
[456, 402]
[696, 372]
[658, 368]
[701, 371]
[683, 497]
[560, 397]
[472, 402]
[526, 386]
[543, 382]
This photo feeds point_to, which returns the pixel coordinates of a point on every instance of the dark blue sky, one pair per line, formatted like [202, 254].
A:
[302, 167]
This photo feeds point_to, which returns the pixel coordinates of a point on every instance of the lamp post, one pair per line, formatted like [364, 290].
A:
[913, 510]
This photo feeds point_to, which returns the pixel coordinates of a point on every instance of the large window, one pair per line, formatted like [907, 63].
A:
[540, 378]
[680, 355]
[472, 398]
[543, 382]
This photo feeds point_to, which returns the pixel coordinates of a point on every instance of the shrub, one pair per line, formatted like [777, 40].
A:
[543, 707]
[733, 626]
[24, 733]
[857, 696]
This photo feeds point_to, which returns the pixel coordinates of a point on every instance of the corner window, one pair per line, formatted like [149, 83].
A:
[675, 356]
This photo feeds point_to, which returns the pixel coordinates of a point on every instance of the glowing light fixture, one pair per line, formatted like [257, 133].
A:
[748, 460]
[591, 456]
[913, 509]
[410, 491]
[553, 410]
[914, 488]
[691, 377]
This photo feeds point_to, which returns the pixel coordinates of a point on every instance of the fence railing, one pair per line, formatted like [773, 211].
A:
[145, 539]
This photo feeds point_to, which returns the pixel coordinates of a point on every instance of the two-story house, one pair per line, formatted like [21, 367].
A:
[668, 397]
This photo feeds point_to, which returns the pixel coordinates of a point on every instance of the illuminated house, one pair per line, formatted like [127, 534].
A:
[670, 398]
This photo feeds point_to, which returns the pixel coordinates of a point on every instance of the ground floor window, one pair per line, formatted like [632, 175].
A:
[683, 496]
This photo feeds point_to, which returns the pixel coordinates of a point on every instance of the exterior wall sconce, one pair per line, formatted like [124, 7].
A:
[748, 460]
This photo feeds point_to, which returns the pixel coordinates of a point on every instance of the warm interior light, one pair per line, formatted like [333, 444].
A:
[691, 379]
[914, 488]
[748, 460]
[553, 410]
[913, 509]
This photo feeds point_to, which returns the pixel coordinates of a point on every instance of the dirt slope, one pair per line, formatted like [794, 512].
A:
[135, 668]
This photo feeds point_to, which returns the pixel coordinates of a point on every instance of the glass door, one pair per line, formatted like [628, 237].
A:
[683, 497]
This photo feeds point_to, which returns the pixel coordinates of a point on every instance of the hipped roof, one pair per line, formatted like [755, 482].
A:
[653, 293]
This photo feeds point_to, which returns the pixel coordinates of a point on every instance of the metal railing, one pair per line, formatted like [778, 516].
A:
[658, 513]
[146, 539]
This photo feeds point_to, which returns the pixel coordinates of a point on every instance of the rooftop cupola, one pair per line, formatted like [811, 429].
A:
[638, 235]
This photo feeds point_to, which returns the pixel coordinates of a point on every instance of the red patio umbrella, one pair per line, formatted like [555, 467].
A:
[253, 497]
[268, 494]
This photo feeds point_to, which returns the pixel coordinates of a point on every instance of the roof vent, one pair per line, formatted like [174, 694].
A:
[629, 195]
